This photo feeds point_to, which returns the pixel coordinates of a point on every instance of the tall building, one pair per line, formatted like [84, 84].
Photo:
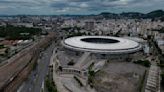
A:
[89, 25]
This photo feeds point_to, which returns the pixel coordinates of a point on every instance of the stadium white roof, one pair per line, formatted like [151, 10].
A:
[121, 45]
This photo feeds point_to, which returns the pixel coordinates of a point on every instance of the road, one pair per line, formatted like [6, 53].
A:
[36, 78]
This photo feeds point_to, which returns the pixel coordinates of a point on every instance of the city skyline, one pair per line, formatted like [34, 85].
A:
[79, 7]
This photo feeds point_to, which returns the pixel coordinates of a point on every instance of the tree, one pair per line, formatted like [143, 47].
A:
[71, 63]
[145, 63]
[60, 68]
[16, 33]
[162, 76]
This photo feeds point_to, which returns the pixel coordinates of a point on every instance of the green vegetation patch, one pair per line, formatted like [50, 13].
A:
[161, 58]
[2, 46]
[17, 33]
[159, 30]
[71, 63]
[71, 28]
[51, 87]
[91, 75]
[162, 76]
[145, 63]
[75, 34]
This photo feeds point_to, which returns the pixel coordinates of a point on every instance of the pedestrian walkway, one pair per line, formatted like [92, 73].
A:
[153, 80]
[83, 60]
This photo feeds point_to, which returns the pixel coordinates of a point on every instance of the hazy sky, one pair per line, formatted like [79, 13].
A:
[77, 6]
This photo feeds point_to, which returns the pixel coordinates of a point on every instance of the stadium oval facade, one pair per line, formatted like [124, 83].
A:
[102, 44]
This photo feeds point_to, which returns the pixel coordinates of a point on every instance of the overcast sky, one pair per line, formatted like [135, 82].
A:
[57, 7]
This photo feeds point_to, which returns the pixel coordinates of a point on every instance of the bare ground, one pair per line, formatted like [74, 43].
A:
[119, 77]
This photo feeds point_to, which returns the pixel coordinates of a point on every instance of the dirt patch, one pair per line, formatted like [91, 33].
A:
[119, 77]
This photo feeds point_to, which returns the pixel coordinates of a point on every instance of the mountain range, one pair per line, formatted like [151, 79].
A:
[157, 14]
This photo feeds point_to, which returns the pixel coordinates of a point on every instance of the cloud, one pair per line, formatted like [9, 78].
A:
[76, 6]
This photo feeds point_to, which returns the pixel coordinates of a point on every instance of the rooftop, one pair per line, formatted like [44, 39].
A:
[104, 44]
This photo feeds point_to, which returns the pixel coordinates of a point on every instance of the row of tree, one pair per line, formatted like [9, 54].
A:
[161, 30]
